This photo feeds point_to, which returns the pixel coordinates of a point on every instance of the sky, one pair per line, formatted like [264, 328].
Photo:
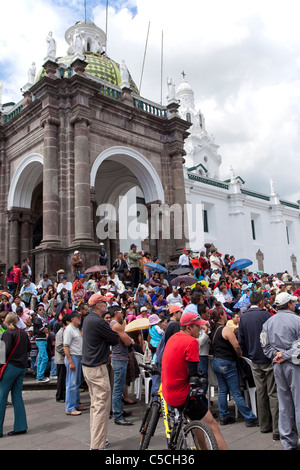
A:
[241, 57]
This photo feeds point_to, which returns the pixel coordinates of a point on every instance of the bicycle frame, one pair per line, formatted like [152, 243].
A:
[173, 426]
[166, 418]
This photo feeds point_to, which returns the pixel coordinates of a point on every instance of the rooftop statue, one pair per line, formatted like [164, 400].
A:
[124, 73]
[51, 49]
[171, 89]
[31, 73]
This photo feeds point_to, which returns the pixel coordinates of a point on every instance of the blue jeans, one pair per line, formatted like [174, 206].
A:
[42, 360]
[159, 290]
[13, 382]
[53, 367]
[228, 380]
[120, 370]
[33, 364]
[73, 382]
[203, 367]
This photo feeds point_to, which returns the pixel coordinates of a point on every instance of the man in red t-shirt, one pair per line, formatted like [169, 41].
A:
[176, 374]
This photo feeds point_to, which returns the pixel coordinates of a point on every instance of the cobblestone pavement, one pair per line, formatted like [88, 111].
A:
[49, 428]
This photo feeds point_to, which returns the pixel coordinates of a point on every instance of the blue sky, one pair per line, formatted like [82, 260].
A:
[80, 6]
[241, 58]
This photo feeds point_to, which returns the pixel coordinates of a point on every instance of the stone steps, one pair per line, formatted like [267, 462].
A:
[30, 383]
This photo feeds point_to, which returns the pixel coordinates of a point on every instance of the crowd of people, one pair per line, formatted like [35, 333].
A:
[74, 330]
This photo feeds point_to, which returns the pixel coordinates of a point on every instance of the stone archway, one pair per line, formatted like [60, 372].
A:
[27, 177]
[138, 165]
[115, 175]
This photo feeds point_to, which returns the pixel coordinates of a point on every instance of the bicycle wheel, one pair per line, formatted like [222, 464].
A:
[150, 426]
[197, 436]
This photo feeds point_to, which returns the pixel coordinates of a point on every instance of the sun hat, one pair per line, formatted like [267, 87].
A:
[190, 318]
[154, 319]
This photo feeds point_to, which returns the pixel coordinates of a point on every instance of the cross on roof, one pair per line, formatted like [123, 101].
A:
[183, 74]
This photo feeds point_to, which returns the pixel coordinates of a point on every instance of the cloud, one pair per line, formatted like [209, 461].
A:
[240, 57]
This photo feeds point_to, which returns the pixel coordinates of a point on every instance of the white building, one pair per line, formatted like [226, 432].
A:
[236, 219]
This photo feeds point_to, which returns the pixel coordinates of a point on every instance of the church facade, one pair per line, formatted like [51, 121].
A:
[81, 138]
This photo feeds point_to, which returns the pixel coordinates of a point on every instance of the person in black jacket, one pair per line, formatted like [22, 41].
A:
[250, 326]
[97, 338]
[12, 380]
[120, 266]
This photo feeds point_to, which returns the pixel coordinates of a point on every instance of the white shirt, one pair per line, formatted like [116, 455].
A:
[172, 300]
[214, 262]
[67, 285]
[215, 277]
[73, 339]
[14, 306]
[184, 260]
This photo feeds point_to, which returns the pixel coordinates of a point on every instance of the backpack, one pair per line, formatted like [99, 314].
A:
[161, 347]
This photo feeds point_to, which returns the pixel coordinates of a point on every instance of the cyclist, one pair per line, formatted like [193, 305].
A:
[177, 374]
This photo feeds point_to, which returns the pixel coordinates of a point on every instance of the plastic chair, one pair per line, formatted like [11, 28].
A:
[143, 379]
[250, 392]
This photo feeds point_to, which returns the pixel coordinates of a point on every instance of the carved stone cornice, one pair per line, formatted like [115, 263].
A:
[13, 216]
[77, 118]
[50, 120]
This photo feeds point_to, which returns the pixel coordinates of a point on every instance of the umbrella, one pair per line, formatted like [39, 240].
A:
[139, 324]
[189, 280]
[241, 264]
[203, 283]
[95, 269]
[181, 271]
[156, 267]
[7, 294]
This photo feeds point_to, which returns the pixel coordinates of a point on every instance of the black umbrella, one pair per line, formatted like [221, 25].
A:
[181, 271]
[189, 280]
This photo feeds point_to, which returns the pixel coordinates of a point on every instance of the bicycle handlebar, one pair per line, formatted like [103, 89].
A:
[150, 369]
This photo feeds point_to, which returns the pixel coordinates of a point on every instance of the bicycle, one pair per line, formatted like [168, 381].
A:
[181, 434]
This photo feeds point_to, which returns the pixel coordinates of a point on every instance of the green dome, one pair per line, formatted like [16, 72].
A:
[99, 66]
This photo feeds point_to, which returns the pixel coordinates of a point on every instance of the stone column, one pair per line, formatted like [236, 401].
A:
[25, 234]
[294, 264]
[82, 199]
[153, 235]
[179, 199]
[50, 182]
[13, 253]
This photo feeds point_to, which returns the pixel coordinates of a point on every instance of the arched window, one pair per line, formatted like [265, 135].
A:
[188, 117]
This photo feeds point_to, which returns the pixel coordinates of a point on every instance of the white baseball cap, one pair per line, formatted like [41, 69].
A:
[283, 298]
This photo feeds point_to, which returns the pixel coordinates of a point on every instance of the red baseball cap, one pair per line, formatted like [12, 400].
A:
[191, 318]
[95, 298]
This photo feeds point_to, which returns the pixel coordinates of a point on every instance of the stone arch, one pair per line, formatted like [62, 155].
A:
[138, 165]
[137, 172]
[26, 177]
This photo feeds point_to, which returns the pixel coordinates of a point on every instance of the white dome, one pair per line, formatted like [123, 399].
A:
[184, 87]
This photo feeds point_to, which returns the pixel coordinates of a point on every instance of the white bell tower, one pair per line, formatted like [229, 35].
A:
[201, 151]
